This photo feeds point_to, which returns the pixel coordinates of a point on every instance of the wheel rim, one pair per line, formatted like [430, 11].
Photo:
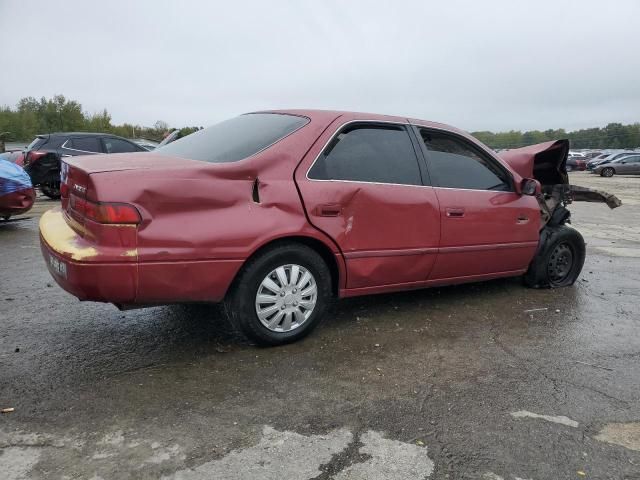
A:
[560, 263]
[51, 188]
[608, 172]
[286, 298]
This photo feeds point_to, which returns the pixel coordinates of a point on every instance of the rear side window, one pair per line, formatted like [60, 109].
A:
[380, 154]
[235, 139]
[116, 145]
[84, 144]
[456, 164]
[36, 143]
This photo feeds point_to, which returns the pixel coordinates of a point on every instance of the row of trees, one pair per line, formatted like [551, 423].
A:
[614, 135]
[31, 117]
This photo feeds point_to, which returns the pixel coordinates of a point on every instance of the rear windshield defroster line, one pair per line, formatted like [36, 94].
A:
[236, 138]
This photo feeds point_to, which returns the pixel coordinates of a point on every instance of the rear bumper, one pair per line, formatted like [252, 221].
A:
[15, 203]
[78, 266]
[75, 264]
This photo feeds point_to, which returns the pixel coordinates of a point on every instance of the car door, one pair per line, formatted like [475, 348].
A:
[362, 184]
[486, 227]
[634, 165]
[627, 165]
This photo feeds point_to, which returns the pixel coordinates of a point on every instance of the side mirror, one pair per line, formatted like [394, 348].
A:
[530, 187]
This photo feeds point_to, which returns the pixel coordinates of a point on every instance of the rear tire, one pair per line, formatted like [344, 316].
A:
[51, 189]
[607, 172]
[559, 261]
[271, 307]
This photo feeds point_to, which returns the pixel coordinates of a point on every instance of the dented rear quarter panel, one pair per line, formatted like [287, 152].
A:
[200, 221]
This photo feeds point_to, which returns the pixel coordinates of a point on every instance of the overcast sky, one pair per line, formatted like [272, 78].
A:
[479, 65]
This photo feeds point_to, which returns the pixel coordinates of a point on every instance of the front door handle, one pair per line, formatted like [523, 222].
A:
[329, 210]
[454, 212]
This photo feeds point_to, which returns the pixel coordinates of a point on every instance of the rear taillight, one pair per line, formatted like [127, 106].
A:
[110, 213]
[32, 156]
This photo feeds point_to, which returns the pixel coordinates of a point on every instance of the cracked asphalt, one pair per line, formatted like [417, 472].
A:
[480, 381]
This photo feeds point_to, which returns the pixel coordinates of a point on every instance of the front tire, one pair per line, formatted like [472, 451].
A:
[607, 172]
[559, 261]
[51, 189]
[281, 295]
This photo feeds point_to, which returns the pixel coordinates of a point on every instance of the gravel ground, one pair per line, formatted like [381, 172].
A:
[480, 381]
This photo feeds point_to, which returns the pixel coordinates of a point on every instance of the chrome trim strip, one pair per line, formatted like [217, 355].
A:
[474, 190]
[435, 250]
[493, 246]
[390, 253]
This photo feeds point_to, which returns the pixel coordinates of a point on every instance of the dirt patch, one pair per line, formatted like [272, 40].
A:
[626, 435]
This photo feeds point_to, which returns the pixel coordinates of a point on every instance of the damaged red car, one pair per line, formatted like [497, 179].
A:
[277, 213]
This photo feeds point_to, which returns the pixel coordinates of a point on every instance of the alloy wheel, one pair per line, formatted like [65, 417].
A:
[286, 298]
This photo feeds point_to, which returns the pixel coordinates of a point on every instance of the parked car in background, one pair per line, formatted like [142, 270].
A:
[606, 157]
[170, 137]
[14, 156]
[626, 165]
[16, 192]
[146, 144]
[42, 156]
[276, 213]
[575, 162]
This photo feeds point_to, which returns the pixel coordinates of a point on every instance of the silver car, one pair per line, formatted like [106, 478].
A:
[628, 165]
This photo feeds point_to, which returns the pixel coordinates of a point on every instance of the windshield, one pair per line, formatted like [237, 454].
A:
[235, 139]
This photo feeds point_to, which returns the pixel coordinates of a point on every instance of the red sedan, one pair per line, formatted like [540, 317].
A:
[277, 213]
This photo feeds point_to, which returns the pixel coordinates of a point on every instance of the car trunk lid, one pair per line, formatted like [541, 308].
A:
[91, 164]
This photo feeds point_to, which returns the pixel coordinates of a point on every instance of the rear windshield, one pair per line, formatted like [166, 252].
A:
[37, 143]
[235, 139]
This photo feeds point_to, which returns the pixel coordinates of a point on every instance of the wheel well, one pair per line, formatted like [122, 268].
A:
[319, 247]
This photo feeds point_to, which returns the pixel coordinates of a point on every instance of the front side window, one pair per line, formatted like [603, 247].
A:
[369, 153]
[456, 164]
[116, 145]
[84, 144]
[234, 139]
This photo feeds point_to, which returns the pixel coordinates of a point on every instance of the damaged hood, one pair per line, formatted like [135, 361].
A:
[546, 162]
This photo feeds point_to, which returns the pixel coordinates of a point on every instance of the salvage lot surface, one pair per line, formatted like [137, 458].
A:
[476, 381]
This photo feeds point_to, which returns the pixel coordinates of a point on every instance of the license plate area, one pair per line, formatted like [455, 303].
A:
[58, 266]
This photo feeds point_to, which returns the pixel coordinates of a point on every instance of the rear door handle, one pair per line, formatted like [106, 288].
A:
[329, 210]
[454, 212]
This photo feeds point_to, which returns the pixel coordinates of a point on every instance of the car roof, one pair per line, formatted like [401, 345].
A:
[330, 115]
[78, 134]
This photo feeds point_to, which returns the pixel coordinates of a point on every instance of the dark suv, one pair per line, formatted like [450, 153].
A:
[42, 156]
